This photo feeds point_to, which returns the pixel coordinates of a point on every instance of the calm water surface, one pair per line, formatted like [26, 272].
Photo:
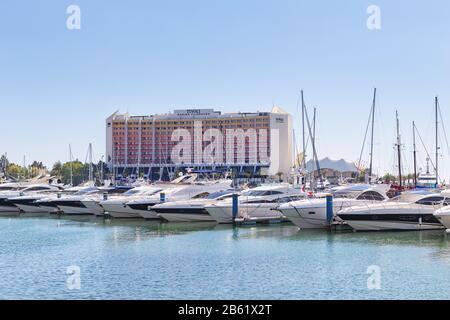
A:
[147, 260]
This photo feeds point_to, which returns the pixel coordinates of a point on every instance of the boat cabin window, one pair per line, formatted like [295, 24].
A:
[254, 193]
[289, 199]
[7, 188]
[36, 189]
[260, 193]
[430, 201]
[201, 195]
[278, 200]
[228, 196]
[370, 195]
[132, 192]
[220, 195]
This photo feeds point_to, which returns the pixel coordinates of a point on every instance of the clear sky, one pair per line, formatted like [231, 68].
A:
[57, 86]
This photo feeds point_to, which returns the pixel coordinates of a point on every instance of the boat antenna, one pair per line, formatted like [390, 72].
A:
[399, 151]
[414, 155]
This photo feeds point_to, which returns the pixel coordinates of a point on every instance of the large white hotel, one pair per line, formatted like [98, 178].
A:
[252, 142]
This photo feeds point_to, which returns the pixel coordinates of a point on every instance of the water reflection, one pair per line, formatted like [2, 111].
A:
[140, 230]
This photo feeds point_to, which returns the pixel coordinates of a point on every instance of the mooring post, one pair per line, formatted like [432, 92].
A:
[105, 196]
[235, 206]
[162, 197]
[330, 212]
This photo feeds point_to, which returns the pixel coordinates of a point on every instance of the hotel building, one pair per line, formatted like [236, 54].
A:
[257, 143]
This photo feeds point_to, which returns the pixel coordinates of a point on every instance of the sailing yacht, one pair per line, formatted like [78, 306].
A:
[256, 204]
[312, 213]
[411, 210]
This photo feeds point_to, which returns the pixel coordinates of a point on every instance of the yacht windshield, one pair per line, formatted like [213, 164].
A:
[132, 192]
[86, 191]
[260, 193]
[219, 194]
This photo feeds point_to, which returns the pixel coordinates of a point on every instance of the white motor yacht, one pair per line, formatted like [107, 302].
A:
[256, 204]
[311, 213]
[443, 215]
[191, 210]
[117, 206]
[410, 211]
[48, 203]
[8, 190]
[87, 200]
[199, 190]
[26, 200]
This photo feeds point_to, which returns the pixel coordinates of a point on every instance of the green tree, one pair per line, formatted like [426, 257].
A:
[57, 169]
[78, 170]
[16, 171]
[389, 177]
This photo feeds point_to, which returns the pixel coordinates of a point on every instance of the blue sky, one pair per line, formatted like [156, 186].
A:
[57, 86]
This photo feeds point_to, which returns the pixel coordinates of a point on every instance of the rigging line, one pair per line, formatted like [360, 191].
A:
[365, 138]
[423, 144]
[443, 128]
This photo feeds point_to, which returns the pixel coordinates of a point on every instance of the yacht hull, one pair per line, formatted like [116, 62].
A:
[31, 209]
[316, 221]
[185, 215]
[75, 211]
[122, 211]
[9, 212]
[313, 214]
[5, 210]
[51, 210]
[224, 214]
[149, 215]
[94, 208]
[444, 220]
[392, 222]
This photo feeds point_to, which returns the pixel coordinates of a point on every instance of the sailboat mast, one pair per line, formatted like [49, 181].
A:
[399, 152]
[303, 128]
[314, 124]
[414, 155]
[71, 165]
[315, 158]
[371, 140]
[437, 141]
[90, 163]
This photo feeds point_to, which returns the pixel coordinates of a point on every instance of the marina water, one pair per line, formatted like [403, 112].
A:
[149, 260]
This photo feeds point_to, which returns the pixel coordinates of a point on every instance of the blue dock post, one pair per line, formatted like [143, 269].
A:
[235, 206]
[330, 212]
[162, 197]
